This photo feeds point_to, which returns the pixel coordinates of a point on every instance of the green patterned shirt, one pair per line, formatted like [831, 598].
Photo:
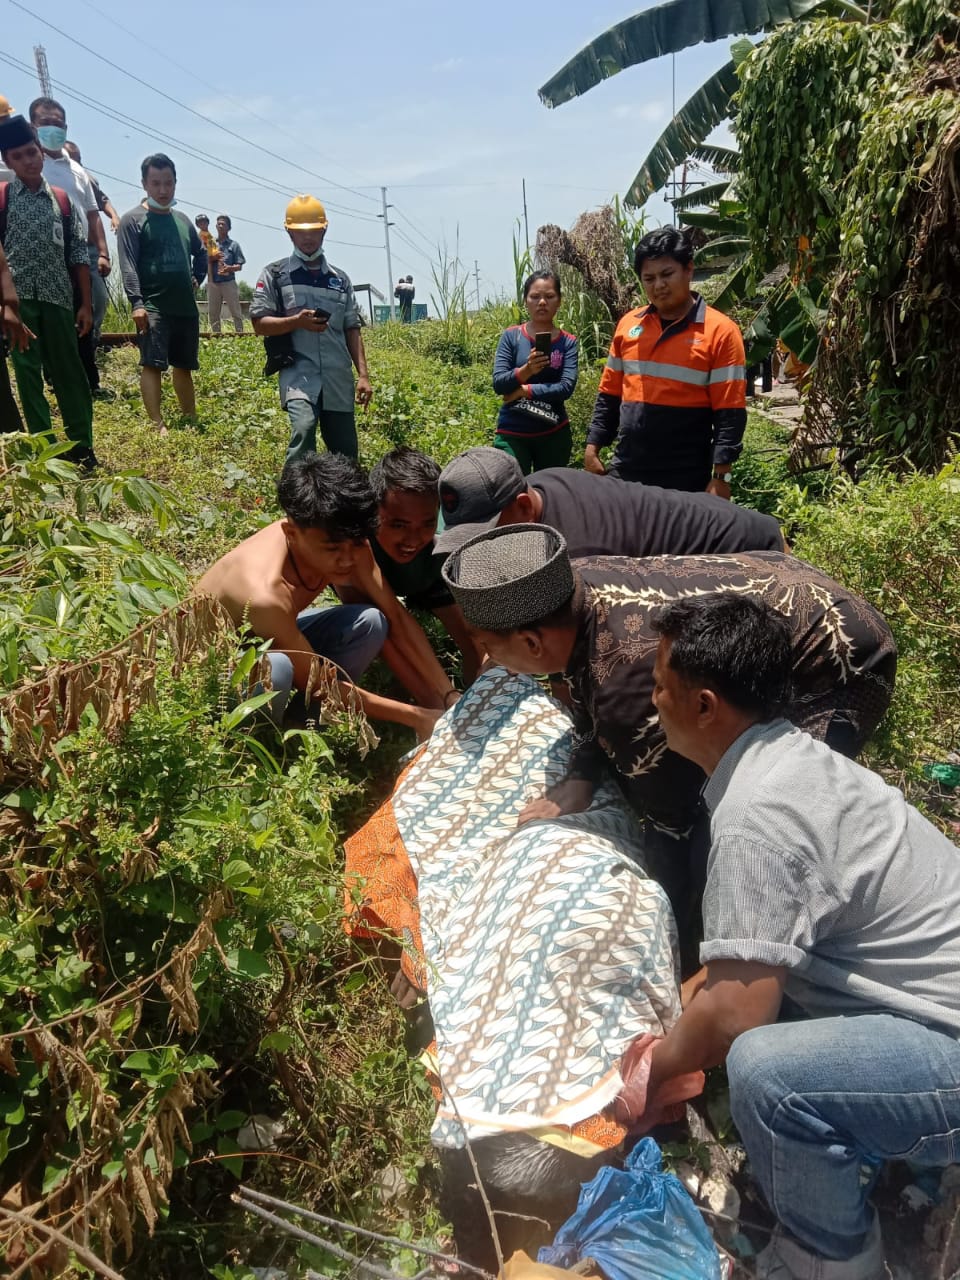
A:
[34, 245]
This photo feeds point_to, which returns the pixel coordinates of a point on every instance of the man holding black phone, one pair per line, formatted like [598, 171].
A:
[306, 312]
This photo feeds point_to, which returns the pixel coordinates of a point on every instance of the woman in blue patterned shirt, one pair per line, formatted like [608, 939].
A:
[532, 424]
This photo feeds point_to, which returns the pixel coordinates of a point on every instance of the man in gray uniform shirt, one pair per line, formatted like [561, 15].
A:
[827, 890]
[306, 312]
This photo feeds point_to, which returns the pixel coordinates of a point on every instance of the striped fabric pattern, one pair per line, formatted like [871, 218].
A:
[548, 950]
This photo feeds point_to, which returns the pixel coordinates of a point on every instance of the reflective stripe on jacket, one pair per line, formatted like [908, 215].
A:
[674, 396]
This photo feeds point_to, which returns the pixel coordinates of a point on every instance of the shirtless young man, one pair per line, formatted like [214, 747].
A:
[272, 578]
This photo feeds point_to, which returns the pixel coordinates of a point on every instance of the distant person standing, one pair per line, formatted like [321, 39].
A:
[50, 121]
[163, 264]
[306, 312]
[222, 288]
[673, 394]
[405, 294]
[45, 241]
[535, 371]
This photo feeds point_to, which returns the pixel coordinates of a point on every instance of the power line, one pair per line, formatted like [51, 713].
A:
[120, 117]
[411, 244]
[250, 222]
[195, 153]
[183, 106]
[271, 124]
[413, 226]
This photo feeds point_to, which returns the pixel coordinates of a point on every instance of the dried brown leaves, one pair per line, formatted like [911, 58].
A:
[34, 717]
[595, 248]
[139, 1189]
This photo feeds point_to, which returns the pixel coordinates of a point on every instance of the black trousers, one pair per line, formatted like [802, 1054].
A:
[10, 419]
[689, 479]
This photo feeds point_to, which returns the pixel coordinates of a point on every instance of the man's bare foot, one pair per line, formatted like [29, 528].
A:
[163, 430]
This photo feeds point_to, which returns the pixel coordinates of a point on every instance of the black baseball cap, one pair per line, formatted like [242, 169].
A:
[474, 489]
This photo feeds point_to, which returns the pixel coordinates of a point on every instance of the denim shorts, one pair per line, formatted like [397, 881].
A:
[170, 340]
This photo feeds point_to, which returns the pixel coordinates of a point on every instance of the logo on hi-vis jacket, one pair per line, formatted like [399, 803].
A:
[636, 331]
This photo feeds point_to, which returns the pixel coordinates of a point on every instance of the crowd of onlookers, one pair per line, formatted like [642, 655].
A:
[725, 685]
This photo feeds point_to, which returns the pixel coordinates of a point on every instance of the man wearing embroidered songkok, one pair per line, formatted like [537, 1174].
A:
[536, 612]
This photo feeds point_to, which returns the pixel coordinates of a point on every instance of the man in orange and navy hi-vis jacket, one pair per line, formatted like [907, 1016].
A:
[673, 394]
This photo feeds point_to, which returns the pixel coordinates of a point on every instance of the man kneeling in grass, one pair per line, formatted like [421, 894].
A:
[272, 578]
[405, 484]
[824, 886]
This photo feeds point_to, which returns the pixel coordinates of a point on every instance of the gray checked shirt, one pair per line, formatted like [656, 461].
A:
[818, 866]
[322, 371]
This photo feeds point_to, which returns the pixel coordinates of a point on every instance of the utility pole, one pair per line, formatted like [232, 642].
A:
[673, 116]
[43, 73]
[476, 276]
[386, 243]
[526, 224]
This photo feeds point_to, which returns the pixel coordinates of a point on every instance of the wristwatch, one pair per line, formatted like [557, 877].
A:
[725, 476]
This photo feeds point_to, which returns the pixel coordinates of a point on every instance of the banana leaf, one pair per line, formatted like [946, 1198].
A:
[720, 159]
[688, 128]
[722, 247]
[713, 220]
[700, 197]
[666, 28]
[738, 286]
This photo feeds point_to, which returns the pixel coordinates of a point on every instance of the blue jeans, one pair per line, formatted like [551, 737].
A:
[820, 1104]
[351, 635]
[338, 429]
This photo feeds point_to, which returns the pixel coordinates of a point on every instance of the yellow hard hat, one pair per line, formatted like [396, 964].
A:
[305, 213]
[5, 107]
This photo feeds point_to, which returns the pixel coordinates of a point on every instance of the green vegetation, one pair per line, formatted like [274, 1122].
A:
[850, 134]
[849, 127]
[171, 959]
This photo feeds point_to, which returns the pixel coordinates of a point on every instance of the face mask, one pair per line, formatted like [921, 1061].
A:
[51, 136]
[307, 257]
[155, 204]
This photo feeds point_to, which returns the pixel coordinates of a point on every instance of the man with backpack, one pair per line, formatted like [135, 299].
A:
[306, 313]
[45, 242]
[60, 169]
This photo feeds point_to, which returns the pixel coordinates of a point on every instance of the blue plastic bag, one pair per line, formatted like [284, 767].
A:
[639, 1223]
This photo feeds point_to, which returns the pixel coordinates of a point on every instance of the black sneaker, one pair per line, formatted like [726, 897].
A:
[82, 456]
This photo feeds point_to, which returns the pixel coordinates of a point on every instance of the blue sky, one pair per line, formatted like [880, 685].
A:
[437, 101]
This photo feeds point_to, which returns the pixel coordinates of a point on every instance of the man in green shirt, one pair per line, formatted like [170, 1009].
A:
[163, 264]
[46, 249]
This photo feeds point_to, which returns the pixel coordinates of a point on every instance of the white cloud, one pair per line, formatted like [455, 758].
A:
[448, 64]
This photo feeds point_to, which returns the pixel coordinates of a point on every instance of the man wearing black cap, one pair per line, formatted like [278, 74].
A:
[45, 242]
[597, 515]
[535, 612]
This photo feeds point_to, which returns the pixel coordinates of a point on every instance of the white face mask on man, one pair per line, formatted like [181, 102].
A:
[307, 257]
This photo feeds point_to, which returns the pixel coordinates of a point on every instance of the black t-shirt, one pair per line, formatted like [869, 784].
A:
[603, 516]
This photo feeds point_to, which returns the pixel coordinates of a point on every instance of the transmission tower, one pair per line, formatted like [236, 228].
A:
[43, 73]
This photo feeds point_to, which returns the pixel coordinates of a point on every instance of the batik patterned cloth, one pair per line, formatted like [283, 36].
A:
[547, 950]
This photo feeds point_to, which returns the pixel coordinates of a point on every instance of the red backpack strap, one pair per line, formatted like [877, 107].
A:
[63, 200]
[66, 217]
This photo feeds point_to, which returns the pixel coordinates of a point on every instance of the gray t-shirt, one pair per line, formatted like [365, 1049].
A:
[817, 865]
[322, 366]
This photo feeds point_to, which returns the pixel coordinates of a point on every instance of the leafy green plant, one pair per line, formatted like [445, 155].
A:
[849, 142]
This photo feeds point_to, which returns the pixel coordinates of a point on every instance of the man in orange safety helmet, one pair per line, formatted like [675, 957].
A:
[306, 312]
